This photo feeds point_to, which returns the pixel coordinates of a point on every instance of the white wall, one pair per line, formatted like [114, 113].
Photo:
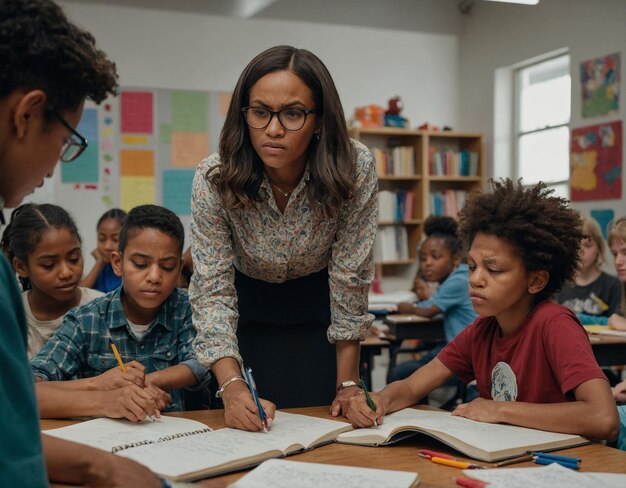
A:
[164, 49]
[497, 36]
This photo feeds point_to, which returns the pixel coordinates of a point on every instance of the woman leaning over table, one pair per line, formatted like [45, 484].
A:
[283, 225]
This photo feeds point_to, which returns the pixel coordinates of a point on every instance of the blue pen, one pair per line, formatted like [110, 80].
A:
[252, 385]
[546, 455]
[543, 460]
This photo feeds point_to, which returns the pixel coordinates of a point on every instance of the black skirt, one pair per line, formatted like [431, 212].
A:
[282, 337]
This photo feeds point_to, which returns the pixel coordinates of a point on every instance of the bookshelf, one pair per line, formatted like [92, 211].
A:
[419, 173]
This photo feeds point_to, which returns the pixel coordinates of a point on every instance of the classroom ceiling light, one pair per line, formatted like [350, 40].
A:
[523, 2]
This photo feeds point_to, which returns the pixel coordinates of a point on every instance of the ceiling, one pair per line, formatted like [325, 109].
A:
[435, 16]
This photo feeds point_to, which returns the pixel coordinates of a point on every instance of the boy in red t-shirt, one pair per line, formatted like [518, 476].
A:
[531, 359]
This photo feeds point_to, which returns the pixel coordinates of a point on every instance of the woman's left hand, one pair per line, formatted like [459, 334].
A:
[340, 403]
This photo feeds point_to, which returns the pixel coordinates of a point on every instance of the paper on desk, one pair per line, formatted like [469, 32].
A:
[391, 298]
[551, 476]
[604, 330]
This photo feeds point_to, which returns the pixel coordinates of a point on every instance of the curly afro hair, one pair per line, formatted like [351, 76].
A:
[542, 228]
[41, 49]
[444, 228]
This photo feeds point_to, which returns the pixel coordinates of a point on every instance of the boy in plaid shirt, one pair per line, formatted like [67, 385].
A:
[147, 318]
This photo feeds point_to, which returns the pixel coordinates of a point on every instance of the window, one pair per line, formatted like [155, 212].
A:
[543, 94]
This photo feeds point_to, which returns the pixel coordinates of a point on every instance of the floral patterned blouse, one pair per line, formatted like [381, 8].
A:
[268, 245]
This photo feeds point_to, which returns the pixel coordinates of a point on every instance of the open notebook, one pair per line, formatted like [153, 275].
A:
[478, 440]
[280, 473]
[181, 449]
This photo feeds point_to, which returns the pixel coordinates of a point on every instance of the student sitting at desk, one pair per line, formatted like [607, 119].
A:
[594, 295]
[531, 358]
[617, 244]
[44, 246]
[148, 319]
[440, 261]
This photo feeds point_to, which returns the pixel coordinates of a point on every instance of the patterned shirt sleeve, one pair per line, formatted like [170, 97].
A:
[61, 357]
[186, 354]
[212, 289]
[351, 267]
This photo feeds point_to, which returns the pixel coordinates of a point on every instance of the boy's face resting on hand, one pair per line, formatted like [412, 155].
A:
[149, 267]
[498, 281]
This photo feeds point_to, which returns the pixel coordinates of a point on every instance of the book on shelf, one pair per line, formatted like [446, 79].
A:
[478, 440]
[453, 163]
[281, 473]
[447, 202]
[395, 206]
[391, 244]
[181, 449]
[395, 161]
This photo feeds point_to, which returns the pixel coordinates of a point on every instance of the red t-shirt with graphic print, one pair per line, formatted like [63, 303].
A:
[541, 362]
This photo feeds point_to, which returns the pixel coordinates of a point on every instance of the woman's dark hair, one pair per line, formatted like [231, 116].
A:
[152, 217]
[28, 224]
[115, 213]
[331, 158]
[542, 228]
[444, 228]
[41, 49]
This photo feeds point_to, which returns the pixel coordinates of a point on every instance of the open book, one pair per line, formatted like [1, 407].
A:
[478, 440]
[280, 473]
[181, 449]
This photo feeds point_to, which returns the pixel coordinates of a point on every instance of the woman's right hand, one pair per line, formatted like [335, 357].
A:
[240, 410]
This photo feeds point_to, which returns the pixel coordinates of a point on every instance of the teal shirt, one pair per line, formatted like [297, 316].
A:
[21, 455]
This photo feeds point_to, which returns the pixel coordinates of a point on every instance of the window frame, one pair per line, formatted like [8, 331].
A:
[516, 124]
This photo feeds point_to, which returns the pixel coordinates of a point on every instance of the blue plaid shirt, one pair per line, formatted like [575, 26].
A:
[80, 348]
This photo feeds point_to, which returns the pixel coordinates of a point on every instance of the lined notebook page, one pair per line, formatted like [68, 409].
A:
[107, 434]
[279, 473]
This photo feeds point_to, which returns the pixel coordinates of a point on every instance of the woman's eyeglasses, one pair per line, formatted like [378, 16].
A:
[289, 118]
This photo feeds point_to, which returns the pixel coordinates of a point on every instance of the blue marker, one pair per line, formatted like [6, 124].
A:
[252, 385]
[546, 455]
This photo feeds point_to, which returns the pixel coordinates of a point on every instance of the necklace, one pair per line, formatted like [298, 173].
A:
[283, 193]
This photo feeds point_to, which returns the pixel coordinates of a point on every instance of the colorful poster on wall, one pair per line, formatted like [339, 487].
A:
[136, 110]
[603, 217]
[600, 80]
[177, 190]
[84, 169]
[596, 162]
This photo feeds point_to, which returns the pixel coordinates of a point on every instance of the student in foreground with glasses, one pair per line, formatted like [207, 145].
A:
[530, 357]
[283, 224]
[49, 67]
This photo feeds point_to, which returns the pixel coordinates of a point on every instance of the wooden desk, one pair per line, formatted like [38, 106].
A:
[408, 326]
[402, 456]
[370, 347]
[609, 350]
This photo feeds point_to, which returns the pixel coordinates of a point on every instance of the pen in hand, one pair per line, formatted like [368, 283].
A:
[118, 357]
[252, 386]
[123, 368]
[368, 399]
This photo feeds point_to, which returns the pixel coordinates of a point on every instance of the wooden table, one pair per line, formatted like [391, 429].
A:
[609, 350]
[406, 326]
[402, 456]
[370, 347]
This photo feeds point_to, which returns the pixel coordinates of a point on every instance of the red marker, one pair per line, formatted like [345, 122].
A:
[468, 483]
[431, 454]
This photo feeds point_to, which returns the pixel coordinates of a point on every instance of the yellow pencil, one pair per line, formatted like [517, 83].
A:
[118, 357]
